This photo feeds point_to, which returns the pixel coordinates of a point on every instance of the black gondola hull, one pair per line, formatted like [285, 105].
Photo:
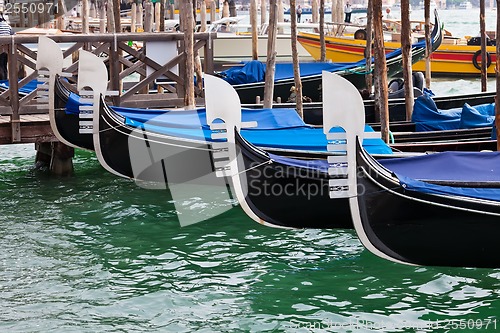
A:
[287, 196]
[425, 229]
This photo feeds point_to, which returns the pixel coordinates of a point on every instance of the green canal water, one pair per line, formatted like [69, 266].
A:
[96, 253]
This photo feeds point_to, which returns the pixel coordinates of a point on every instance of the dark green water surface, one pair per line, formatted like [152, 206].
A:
[96, 253]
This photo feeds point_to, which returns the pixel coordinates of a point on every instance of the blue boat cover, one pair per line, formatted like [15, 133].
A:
[477, 116]
[297, 138]
[413, 173]
[427, 117]
[26, 89]
[266, 118]
[448, 166]
[486, 193]
[254, 71]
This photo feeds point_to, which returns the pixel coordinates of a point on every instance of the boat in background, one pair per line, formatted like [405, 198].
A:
[455, 56]
[465, 5]
[248, 80]
[234, 41]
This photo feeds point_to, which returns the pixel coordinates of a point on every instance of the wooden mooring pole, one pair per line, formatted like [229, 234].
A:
[406, 50]
[55, 157]
[484, 62]
[380, 74]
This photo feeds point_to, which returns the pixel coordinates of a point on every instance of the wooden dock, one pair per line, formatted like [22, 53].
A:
[22, 122]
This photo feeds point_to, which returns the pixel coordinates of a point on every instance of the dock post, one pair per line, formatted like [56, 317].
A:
[56, 157]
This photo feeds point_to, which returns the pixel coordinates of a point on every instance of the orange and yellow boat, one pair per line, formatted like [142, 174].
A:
[453, 57]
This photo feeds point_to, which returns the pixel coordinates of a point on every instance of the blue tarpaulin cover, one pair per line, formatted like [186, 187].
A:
[299, 138]
[486, 193]
[277, 128]
[413, 173]
[26, 89]
[477, 116]
[254, 71]
[427, 116]
[448, 166]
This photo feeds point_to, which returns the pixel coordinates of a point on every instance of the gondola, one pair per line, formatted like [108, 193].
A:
[117, 136]
[313, 112]
[287, 192]
[67, 124]
[448, 218]
[439, 209]
[312, 81]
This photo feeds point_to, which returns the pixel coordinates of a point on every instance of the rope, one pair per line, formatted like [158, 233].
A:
[254, 167]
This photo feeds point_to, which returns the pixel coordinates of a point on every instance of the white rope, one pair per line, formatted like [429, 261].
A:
[254, 167]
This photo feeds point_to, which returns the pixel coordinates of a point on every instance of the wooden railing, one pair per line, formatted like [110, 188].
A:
[122, 61]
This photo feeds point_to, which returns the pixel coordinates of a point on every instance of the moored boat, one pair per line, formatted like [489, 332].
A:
[447, 218]
[454, 56]
[311, 75]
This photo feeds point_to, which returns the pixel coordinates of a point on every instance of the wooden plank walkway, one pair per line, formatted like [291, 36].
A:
[34, 128]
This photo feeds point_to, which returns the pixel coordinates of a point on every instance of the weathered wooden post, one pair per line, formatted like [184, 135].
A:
[407, 63]
[60, 15]
[110, 19]
[295, 61]
[14, 93]
[281, 15]
[157, 16]
[102, 18]
[61, 162]
[428, 44]
[225, 9]
[263, 12]
[314, 10]
[85, 16]
[133, 17]
[92, 10]
[369, 41]
[380, 75]
[322, 42]
[148, 11]
[31, 19]
[139, 17]
[271, 55]
[339, 11]
[162, 15]
[334, 8]
[484, 62]
[117, 17]
[213, 11]
[187, 18]
[253, 24]
[203, 16]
